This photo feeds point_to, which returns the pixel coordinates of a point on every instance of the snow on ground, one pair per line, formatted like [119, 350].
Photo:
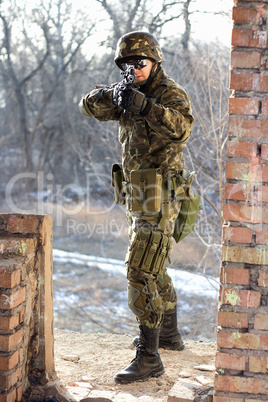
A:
[185, 281]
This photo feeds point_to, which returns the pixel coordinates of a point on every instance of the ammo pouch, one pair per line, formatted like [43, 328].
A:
[149, 251]
[145, 190]
[190, 205]
[117, 183]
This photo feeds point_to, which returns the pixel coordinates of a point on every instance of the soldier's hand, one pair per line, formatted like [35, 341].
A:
[121, 95]
[131, 100]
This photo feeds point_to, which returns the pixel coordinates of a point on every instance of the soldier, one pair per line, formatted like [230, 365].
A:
[155, 122]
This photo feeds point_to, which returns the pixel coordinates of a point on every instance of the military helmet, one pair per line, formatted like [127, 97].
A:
[138, 43]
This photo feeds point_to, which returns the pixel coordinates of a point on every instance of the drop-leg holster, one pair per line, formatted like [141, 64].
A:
[147, 362]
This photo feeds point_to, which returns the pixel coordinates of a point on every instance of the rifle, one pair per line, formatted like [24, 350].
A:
[128, 81]
[126, 96]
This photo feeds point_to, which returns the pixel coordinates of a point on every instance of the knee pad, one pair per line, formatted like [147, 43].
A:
[149, 251]
[143, 299]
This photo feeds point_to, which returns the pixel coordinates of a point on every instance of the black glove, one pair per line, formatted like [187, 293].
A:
[121, 94]
[131, 100]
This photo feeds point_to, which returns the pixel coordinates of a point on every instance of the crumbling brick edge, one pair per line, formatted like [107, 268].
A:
[26, 309]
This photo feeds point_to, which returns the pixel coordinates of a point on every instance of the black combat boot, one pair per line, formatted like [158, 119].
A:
[147, 362]
[169, 336]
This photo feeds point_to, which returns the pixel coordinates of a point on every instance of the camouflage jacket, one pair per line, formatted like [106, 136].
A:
[156, 140]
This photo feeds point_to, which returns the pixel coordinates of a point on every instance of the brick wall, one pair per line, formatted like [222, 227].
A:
[242, 341]
[26, 304]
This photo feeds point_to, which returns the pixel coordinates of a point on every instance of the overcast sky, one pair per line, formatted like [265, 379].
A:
[206, 25]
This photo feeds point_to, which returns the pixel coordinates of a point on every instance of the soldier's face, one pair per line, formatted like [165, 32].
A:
[143, 73]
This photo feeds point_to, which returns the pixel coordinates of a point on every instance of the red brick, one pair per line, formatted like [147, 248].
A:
[8, 381]
[245, 213]
[10, 397]
[249, 38]
[243, 59]
[240, 148]
[17, 247]
[244, 298]
[264, 175]
[9, 279]
[8, 342]
[235, 276]
[230, 319]
[264, 151]
[249, 172]
[264, 341]
[241, 191]
[263, 279]
[262, 193]
[238, 171]
[251, 255]
[230, 361]
[262, 236]
[264, 108]
[9, 362]
[236, 235]
[22, 224]
[264, 83]
[247, 128]
[244, 81]
[258, 364]
[238, 340]
[8, 323]
[244, 15]
[261, 322]
[249, 106]
[9, 301]
[241, 384]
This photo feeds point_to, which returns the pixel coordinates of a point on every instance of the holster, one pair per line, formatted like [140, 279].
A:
[117, 183]
[190, 205]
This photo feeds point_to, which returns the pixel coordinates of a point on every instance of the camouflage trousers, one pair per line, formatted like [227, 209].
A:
[150, 288]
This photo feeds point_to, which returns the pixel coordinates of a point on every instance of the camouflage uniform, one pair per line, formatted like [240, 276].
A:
[155, 140]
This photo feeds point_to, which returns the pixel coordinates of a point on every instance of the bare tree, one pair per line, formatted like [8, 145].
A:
[19, 81]
[207, 84]
[34, 68]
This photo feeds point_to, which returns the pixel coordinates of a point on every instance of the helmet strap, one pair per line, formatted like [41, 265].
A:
[154, 71]
[155, 68]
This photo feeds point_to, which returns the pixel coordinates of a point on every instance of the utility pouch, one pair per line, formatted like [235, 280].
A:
[187, 217]
[146, 187]
[117, 183]
[149, 251]
[190, 205]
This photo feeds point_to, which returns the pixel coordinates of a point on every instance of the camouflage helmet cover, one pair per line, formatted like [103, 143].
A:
[138, 43]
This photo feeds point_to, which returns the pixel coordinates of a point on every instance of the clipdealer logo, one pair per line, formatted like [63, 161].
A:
[102, 229]
[54, 199]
